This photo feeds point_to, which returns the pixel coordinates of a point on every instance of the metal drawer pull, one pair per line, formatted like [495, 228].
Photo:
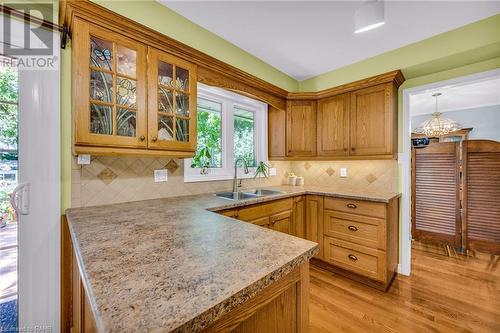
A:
[352, 228]
[351, 205]
[352, 257]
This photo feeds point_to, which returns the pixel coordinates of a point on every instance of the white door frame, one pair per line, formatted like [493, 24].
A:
[404, 158]
[39, 159]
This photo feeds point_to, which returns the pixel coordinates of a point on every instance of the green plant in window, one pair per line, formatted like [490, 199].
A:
[202, 158]
[262, 170]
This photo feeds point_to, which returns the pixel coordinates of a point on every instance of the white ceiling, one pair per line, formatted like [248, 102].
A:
[308, 38]
[458, 97]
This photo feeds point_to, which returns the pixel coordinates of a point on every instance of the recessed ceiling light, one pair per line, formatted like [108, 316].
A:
[369, 16]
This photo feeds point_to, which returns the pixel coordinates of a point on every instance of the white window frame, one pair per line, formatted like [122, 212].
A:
[229, 100]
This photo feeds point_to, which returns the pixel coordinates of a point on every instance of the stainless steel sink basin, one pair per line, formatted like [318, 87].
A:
[236, 195]
[262, 191]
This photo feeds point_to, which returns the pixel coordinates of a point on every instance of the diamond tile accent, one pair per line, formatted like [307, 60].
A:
[307, 166]
[172, 166]
[370, 178]
[107, 176]
[330, 171]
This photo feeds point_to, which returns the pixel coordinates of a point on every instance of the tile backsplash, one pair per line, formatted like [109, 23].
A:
[373, 175]
[109, 180]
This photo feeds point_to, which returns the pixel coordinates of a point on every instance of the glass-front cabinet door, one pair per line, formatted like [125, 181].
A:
[171, 102]
[109, 88]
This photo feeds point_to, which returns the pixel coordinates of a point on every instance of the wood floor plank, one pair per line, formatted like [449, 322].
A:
[447, 292]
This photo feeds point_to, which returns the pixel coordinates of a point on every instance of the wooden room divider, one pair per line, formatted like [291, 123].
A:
[456, 194]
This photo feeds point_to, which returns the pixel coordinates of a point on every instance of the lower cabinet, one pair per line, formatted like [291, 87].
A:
[357, 238]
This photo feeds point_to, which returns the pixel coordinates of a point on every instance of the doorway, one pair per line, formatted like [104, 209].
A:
[30, 164]
[8, 182]
[434, 169]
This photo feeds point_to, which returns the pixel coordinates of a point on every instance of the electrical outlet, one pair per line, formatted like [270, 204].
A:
[161, 175]
[272, 171]
[343, 172]
[83, 159]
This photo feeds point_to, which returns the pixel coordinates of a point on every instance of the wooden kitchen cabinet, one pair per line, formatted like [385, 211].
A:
[314, 221]
[129, 98]
[109, 88]
[357, 120]
[277, 215]
[361, 239]
[301, 128]
[171, 102]
[373, 116]
[333, 126]
[276, 133]
[299, 216]
[282, 222]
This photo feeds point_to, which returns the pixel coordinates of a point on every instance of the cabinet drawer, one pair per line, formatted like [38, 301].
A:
[254, 212]
[363, 230]
[368, 208]
[356, 258]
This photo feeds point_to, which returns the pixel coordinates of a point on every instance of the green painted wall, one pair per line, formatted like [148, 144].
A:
[472, 43]
[160, 18]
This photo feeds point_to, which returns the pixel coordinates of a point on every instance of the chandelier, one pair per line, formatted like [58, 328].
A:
[437, 126]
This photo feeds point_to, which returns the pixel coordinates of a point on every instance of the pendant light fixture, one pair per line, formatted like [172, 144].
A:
[369, 16]
[437, 126]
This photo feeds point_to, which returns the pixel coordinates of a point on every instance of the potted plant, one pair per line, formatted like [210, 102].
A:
[262, 170]
[202, 159]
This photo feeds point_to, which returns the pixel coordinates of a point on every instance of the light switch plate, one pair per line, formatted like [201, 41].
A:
[272, 171]
[161, 175]
[83, 159]
[343, 172]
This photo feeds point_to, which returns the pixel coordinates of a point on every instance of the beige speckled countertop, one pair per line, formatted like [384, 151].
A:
[172, 265]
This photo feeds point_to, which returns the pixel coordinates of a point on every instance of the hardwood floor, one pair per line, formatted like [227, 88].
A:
[447, 292]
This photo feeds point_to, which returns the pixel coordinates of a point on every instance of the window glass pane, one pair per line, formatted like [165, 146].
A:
[182, 81]
[126, 92]
[101, 86]
[101, 53]
[165, 73]
[182, 130]
[209, 134]
[244, 136]
[182, 101]
[101, 119]
[125, 122]
[165, 128]
[126, 61]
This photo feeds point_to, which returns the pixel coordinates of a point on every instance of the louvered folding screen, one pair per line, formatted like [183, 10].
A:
[436, 193]
[482, 195]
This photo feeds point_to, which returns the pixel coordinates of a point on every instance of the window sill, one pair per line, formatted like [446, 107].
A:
[211, 177]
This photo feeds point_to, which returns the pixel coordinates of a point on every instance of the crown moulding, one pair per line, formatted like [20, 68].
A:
[211, 71]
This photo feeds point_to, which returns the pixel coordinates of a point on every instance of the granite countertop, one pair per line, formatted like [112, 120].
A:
[173, 265]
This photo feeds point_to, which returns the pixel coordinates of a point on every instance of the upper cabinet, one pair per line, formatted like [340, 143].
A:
[354, 121]
[301, 128]
[109, 88]
[333, 126]
[171, 102]
[130, 98]
[373, 121]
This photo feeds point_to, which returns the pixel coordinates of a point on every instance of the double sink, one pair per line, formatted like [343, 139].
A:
[247, 194]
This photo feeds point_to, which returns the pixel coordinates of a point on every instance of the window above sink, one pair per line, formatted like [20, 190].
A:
[230, 126]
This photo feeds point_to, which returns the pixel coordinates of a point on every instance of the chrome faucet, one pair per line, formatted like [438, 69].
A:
[235, 179]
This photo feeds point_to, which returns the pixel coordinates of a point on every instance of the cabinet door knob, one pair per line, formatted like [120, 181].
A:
[352, 257]
[142, 138]
[154, 138]
[351, 205]
[353, 149]
[345, 149]
[352, 228]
